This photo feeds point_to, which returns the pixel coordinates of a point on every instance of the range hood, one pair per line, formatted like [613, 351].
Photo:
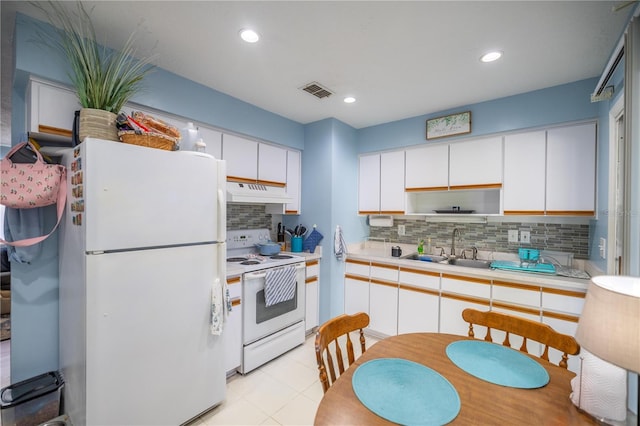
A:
[256, 193]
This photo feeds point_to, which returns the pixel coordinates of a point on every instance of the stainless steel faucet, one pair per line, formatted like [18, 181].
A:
[456, 231]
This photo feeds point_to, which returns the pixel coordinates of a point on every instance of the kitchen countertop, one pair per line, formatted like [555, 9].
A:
[381, 252]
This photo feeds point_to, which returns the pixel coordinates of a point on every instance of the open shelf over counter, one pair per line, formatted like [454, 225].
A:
[480, 202]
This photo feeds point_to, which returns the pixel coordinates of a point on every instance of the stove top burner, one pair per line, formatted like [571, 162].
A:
[281, 256]
[236, 259]
[251, 262]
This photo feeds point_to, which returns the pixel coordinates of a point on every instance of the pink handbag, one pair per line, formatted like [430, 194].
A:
[30, 185]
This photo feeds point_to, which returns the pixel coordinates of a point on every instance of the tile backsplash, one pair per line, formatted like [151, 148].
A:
[247, 216]
[491, 236]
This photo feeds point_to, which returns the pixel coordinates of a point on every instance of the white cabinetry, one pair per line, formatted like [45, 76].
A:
[427, 168]
[381, 183]
[272, 165]
[356, 287]
[561, 310]
[232, 334]
[418, 301]
[522, 300]
[241, 156]
[312, 295]
[383, 299]
[213, 140]
[293, 182]
[369, 184]
[50, 108]
[524, 179]
[476, 163]
[458, 293]
[571, 163]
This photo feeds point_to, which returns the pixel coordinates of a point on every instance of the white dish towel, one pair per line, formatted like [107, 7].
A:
[339, 245]
[220, 305]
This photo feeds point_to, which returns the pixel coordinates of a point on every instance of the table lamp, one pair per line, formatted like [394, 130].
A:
[609, 326]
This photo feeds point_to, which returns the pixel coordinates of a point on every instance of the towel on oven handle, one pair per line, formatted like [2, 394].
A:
[279, 285]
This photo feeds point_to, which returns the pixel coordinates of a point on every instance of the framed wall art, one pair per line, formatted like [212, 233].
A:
[449, 125]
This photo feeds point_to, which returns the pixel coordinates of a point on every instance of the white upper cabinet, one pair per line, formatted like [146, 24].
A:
[50, 108]
[272, 165]
[571, 170]
[381, 183]
[476, 163]
[524, 173]
[427, 168]
[369, 184]
[213, 140]
[392, 182]
[242, 158]
[293, 181]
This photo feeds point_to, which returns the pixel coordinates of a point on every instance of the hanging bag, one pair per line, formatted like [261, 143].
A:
[31, 185]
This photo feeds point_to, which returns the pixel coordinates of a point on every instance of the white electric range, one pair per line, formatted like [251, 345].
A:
[267, 331]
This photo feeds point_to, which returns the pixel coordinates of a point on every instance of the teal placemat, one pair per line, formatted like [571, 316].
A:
[405, 392]
[497, 364]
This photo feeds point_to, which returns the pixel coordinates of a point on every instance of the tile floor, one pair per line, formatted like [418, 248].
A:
[285, 391]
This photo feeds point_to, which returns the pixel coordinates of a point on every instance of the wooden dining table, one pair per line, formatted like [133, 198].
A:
[481, 402]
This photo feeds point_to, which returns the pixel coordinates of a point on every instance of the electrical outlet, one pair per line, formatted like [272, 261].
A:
[513, 236]
[525, 237]
[603, 248]
[401, 230]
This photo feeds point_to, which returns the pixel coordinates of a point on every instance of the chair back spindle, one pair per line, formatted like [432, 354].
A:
[329, 338]
[527, 329]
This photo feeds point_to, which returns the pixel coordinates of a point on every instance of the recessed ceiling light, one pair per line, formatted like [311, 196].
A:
[491, 56]
[349, 100]
[249, 36]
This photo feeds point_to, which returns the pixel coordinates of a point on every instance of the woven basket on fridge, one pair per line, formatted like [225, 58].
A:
[151, 140]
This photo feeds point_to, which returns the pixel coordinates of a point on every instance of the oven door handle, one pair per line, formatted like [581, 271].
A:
[257, 275]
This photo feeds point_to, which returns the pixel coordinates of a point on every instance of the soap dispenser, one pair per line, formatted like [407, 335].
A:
[421, 247]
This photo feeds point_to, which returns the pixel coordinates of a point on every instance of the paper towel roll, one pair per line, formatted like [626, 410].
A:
[600, 389]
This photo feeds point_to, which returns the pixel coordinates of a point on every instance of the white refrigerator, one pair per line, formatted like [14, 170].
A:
[142, 254]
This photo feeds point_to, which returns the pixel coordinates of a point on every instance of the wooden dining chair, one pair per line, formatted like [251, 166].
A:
[525, 328]
[329, 353]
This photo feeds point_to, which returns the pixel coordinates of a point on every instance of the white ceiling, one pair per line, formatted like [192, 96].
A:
[399, 59]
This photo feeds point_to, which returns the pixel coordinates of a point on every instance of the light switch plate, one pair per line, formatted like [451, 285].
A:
[513, 236]
[602, 246]
[401, 230]
[525, 236]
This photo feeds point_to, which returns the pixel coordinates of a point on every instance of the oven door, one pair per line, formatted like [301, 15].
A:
[260, 320]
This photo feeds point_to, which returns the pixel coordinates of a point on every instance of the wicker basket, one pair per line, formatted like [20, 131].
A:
[150, 140]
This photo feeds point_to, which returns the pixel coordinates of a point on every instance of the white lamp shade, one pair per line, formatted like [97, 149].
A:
[609, 325]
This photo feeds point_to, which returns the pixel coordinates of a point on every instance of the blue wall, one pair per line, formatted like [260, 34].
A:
[559, 104]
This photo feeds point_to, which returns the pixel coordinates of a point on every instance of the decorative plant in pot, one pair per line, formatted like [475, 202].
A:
[104, 79]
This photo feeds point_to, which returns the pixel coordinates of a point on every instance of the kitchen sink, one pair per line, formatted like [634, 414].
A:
[471, 263]
[468, 263]
[426, 257]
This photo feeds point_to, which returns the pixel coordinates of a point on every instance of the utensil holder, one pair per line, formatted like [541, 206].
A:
[296, 244]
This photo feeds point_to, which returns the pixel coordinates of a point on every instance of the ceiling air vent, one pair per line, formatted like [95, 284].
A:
[317, 90]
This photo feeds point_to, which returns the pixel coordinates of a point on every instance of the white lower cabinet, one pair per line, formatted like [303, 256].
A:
[232, 334]
[312, 295]
[383, 299]
[418, 301]
[356, 286]
[458, 293]
[383, 307]
[517, 299]
[561, 310]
